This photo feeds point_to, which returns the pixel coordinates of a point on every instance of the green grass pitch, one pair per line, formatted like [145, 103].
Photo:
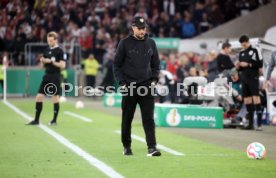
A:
[27, 151]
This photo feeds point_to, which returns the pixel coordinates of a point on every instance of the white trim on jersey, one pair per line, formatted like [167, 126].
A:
[54, 47]
[259, 53]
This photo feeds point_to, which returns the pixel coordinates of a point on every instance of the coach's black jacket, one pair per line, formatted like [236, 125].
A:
[251, 56]
[136, 61]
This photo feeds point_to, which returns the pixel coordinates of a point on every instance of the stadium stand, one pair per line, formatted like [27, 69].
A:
[97, 26]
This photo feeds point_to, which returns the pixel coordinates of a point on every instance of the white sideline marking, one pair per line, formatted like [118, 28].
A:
[161, 147]
[85, 119]
[104, 168]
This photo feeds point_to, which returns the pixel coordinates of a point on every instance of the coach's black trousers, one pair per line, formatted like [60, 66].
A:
[146, 104]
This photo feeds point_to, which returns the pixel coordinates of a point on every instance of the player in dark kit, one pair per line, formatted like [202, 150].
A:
[250, 62]
[53, 60]
[137, 61]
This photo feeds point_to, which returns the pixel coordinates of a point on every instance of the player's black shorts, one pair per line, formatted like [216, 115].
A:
[50, 85]
[250, 87]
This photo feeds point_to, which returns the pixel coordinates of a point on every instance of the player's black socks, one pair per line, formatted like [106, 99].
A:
[56, 110]
[259, 113]
[38, 109]
[250, 111]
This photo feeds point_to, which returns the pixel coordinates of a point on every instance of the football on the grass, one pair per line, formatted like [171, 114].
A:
[256, 150]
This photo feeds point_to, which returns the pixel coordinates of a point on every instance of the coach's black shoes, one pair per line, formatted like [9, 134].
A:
[34, 122]
[153, 152]
[127, 151]
[52, 123]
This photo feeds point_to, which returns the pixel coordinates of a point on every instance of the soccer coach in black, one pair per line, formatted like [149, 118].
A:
[53, 60]
[136, 60]
[249, 64]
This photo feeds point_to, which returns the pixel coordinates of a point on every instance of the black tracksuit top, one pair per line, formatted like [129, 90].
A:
[136, 61]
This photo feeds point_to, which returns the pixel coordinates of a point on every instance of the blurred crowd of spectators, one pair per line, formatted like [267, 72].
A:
[182, 65]
[96, 26]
